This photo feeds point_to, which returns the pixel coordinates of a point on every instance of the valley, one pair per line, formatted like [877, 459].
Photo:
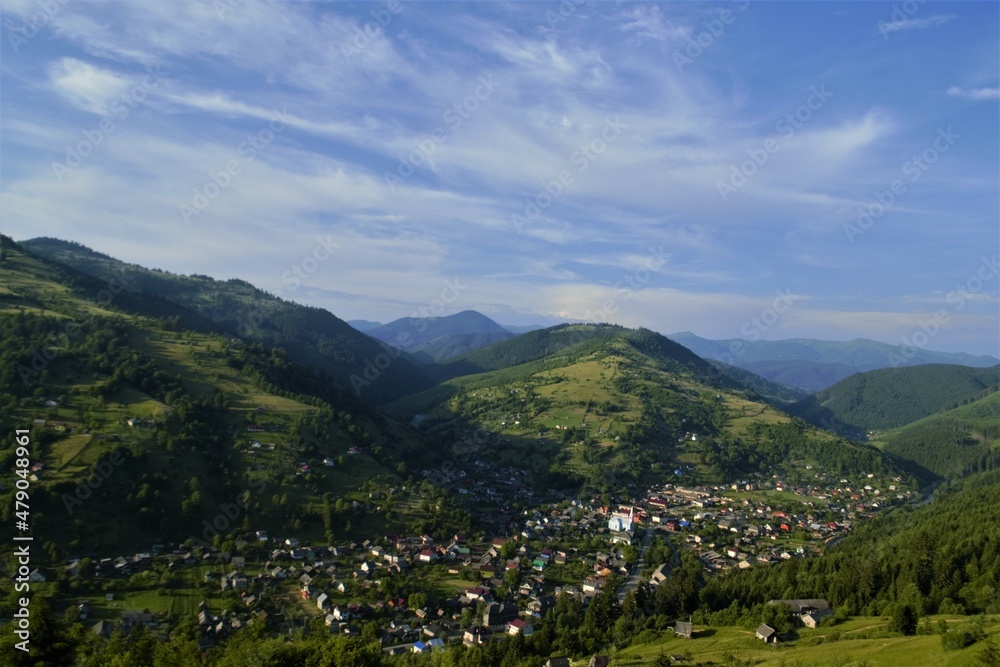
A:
[200, 489]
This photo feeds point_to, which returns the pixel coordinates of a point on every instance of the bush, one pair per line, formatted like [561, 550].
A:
[904, 620]
[960, 637]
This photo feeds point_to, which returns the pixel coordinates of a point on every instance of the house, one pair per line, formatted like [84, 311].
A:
[519, 627]
[683, 629]
[36, 576]
[475, 636]
[804, 606]
[766, 633]
[623, 537]
[132, 619]
[660, 574]
[812, 619]
[103, 629]
[599, 661]
[557, 662]
[499, 614]
[477, 593]
[322, 601]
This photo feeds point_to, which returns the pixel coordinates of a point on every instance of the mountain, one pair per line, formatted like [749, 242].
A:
[889, 398]
[523, 328]
[437, 338]
[816, 364]
[775, 393]
[310, 336]
[605, 407]
[173, 423]
[363, 325]
[952, 443]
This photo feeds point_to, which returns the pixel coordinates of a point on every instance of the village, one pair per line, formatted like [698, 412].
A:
[415, 593]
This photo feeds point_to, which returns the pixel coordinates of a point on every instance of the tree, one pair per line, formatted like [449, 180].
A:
[512, 578]
[904, 620]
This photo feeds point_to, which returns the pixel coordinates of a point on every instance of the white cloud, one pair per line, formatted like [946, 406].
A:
[85, 86]
[976, 94]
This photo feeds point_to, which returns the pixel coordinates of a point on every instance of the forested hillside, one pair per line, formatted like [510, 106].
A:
[890, 398]
[943, 556]
[172, 408]
[611, 406]
[310, 336]
[954, 443]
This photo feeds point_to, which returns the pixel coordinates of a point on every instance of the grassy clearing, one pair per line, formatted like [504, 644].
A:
[820, 647]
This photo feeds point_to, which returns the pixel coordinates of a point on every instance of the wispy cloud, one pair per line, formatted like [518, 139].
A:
[977, 94]
[915, 23]
[404, 97]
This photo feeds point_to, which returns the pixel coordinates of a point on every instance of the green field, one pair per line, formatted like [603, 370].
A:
[853, 643]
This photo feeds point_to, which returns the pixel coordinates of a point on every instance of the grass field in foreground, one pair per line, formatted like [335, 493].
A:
[815, 648]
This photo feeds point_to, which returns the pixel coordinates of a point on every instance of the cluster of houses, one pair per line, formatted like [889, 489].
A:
[807, 612]
[753, 531]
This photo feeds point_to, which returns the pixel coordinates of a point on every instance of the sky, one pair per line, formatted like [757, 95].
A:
[742, 169]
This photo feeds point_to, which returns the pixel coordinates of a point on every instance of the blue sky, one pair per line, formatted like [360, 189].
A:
[670, 165]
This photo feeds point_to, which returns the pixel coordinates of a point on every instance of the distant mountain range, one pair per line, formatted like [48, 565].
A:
[347, 350]
[433, 339]
[367, 325]
[814, 365]
[363, 325]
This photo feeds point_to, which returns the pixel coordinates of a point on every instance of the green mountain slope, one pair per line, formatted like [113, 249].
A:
[943, 556]
[163, 420]
[310, 336]
[890, 398]
[605, 407]
[954, 443]
[774, 392]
